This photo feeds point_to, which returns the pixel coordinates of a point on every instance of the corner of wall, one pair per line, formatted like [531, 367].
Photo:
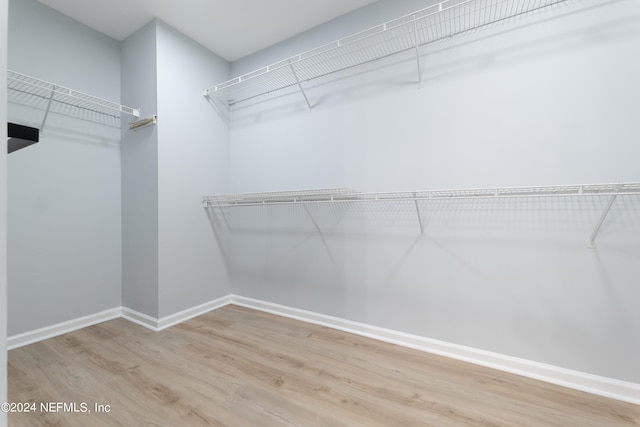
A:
[139, 174]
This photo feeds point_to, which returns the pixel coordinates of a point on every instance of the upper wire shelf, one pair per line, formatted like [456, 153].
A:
[439, 21]
[30, 87]
[346, 195]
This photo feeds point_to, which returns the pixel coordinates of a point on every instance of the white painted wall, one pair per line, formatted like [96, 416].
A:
[3, 211]
[549, 101]
[193, 159]
[64, 241]
[139, 163]
[171, 262]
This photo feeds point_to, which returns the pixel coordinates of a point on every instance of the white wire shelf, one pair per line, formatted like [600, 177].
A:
[342, 195]
[437, 22]
[345, 195]
[23, 87]
[282, 197]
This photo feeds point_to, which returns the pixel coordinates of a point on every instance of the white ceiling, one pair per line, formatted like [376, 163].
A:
[230, 28]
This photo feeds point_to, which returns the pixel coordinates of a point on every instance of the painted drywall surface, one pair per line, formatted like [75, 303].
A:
[193, 159]
[549, 102]
[3, 214]
[64, 192]
[139, 162]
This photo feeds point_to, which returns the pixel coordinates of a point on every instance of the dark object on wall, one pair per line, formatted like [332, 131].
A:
[21, 136]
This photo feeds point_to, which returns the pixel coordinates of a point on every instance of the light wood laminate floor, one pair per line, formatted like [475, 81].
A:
[240, 367]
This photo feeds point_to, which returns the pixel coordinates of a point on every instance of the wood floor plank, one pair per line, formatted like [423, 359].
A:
[240, 367]
[334, 379]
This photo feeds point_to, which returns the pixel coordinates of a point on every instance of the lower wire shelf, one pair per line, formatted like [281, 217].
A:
[344, 195]
[337, 195]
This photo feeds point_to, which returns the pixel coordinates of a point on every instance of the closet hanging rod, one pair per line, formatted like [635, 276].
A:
[342, 196]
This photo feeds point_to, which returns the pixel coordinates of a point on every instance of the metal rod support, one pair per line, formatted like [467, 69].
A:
[46, 112]
[415, 31]
[324, 241]
[315, 224]
[300, 86]
[601, 220]
[419, 217]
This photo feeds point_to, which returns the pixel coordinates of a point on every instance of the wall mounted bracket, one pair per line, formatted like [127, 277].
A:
[46, 112]
[313, 220]
[419, 216]
[603, 217]
[417, 36]
[295, 75]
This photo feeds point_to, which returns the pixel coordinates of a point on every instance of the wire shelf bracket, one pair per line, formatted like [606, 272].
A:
[315, 223]
[432, 24]
[415, 28]
[603, 217]
[24, 86]
[46, 112]
[300, 87]
[341, 195]
[419, 216]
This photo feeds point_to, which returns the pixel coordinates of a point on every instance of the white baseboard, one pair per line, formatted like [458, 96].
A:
[36, 335]
[173, 319]
[141, 319]
[190, 313]
[607, 387]
[150, 322]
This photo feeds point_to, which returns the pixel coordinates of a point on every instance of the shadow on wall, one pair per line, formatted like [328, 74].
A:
[261, 240]
[278, 241]
[501, 44]
[283, 253]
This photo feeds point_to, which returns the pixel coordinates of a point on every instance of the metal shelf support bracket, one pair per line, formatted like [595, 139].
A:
[300, 86]
[315, 224]
[419, 216]
[46, 112]
[415, 32]
[603, 217]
